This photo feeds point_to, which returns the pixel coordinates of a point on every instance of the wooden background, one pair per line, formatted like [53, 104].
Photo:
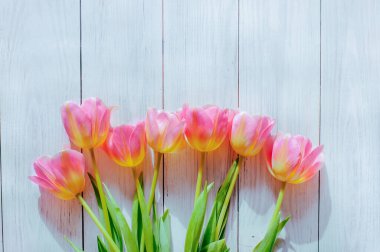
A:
[313, 65]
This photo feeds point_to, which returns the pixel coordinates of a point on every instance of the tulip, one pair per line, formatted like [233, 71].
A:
[206, 127]
[164, 133]
[126, 144]
[86, 125]
[290, 159]
[205, 130]
[63, 176]
[248, 135]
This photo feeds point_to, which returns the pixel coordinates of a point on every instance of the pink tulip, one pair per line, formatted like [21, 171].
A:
[87, 125]
[291, 159]
[61, 175]
[126, 144]
[249, 133]
[206, 127]
[164, 131]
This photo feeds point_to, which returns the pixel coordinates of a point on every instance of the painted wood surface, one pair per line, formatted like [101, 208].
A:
[121, 62]
[350, 129]
[200, 67]
[279, 76]
[39, 71]
[312, 65]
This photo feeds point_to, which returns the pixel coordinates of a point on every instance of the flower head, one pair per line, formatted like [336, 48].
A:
[164, 131]
[249, 133]
[87, 125]
[206, 127]
[61, 175]
[292, 159]
[126, 144]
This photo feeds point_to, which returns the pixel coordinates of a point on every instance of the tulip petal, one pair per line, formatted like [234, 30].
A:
[62, 175]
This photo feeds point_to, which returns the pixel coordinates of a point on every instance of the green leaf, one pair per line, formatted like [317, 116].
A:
[156, 227]
[270, 238]
[75, 247]
[209, 234]
[96, 191]
[101, 246]
[196, 221]
[282, 224]
[165, 232]
[267, 243]
[216, 246]
[137, 227]
[115, 229]
[146, 222]
[121, 226]
[136, 219]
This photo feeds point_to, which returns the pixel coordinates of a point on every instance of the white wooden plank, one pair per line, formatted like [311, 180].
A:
[122, 64]
[1, 185]
[200, 62]
[39, 71]
[279, 76]
[350, 188]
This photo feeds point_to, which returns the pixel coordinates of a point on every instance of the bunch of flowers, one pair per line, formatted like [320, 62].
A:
[290, 159]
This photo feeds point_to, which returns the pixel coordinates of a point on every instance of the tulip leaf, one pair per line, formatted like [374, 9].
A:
[137, 226]
[282, 224]
[216, 246]
[196, 221]
[161, 231]
[209, 234]
[101, 246]
[156, 227]
[270, 238]
[146, 222]
[165, 232]
[122, 226]
[115, 230]
[75, 247]
[267, 244]
[97, 196]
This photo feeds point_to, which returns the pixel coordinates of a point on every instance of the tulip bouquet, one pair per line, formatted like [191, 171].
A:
[290, 159]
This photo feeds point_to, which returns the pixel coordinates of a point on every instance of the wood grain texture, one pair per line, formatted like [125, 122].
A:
[262, 55]
[39, 70]
[279, 76]
[122, 64]
[200, 62]
[350, 130]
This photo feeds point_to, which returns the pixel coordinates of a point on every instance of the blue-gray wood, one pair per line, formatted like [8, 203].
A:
[350, 126]
[313, 65]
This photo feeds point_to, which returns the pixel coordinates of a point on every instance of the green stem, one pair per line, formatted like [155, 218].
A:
[101, 193]
[227, 199]
[278, 203]
[97, 223]
[157, 164]
[137, 182]
[200, 175]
